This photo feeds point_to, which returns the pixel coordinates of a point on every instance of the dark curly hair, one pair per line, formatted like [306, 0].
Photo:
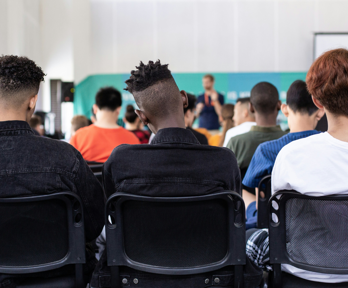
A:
[108, 98]
[147, 75]
[19, 74]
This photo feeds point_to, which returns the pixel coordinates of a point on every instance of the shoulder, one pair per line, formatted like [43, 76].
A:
[84, 131]
[200, 97]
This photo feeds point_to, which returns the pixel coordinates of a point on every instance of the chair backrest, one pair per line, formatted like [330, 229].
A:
[309, 233]
[176, 235]
[41, 233]
[265, 193]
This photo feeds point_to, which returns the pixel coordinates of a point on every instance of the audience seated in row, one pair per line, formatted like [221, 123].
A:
[134, 125]
[189, 114]
[32, 165]
[226, 121]
[303, 117]
[243, 119]
[265, 104]
[174, 164]
[97, 141]
[314, 165]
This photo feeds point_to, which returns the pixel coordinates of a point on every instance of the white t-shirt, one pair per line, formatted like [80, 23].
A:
[316, 166]
[240, 129]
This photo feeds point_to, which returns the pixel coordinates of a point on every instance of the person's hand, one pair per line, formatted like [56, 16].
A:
[214, 96]
[199, 108]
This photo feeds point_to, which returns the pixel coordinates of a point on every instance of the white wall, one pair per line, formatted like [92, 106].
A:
[71, 39]
[215, 35]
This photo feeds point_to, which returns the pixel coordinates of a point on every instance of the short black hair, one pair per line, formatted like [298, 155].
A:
[130, 114]
[191, 102]
[243, 100]
[264, 97]
[154, 89]
[20, 78]
[299, 99]
[108, 98]
[147, 75]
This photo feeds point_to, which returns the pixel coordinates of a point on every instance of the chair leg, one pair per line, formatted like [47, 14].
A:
[238, 276]
[79, 281]
[115, 277]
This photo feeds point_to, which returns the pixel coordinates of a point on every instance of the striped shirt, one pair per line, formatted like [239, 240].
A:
[265, 155]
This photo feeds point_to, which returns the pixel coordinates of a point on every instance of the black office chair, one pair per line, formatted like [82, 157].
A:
[309, 233]
[97, 169]
[265, 193]
[176, 236]
[42, 233]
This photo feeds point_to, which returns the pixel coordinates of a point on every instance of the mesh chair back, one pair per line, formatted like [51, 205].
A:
[309, 233]
[265, 193]
[176, 236]
[41, 233]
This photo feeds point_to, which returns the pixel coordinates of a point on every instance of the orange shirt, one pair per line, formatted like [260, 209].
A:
[96, 144]
[214, 140]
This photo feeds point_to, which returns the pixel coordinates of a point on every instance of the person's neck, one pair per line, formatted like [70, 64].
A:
[249, 119]
[265, 120]
[337, 126]
[301, 123]
[131, 126]
[8, 115]
[170, 123]
[106, 119]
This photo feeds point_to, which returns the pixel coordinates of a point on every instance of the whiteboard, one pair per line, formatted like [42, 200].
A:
[327, 41]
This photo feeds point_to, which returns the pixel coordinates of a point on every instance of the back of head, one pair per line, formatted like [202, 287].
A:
[155, 90]
[191, 102]
[130, 114]
[299, 100]
[327, 81]
[108, 98]
[79, 121]
[35, 121]
[20, 79]
[264, 97]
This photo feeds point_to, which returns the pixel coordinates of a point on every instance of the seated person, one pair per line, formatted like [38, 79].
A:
[97, 141]
[189, 113]
[78, 122]
[226, 122]
[314, 165]
[36, 125]
[134, 125]
[243, 119]
[265, 104]
[174, 164]
[39, 165]
[303, 117]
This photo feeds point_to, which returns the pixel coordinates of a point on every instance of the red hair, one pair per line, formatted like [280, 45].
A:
[327, 81]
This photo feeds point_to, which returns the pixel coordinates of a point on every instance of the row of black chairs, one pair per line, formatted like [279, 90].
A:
[47, 232]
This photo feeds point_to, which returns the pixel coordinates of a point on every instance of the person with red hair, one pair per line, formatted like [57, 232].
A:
[316, 165]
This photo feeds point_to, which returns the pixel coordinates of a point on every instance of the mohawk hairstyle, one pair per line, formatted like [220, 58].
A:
[147, 75]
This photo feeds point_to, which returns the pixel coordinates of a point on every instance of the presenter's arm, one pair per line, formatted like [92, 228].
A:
[217, 105]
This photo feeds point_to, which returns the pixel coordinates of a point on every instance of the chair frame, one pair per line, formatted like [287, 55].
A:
[76, 254]
[236, 245]
[277, 236]
[262, 209]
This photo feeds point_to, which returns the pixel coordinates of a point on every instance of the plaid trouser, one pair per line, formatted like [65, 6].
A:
[257, 249]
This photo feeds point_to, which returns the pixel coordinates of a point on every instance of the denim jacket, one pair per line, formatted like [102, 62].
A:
[31, 164]
[174, 164]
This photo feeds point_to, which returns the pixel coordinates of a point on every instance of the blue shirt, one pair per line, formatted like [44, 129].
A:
[265, 155]
[208, 118]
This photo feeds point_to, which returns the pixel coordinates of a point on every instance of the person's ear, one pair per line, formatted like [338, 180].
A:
[317, 103]
[320, 113]
[32, 103]
[245, 113]
[142, 116]
[251, 108]
[184, 98]
[279, 105]
[95, 109]
[285, 110]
